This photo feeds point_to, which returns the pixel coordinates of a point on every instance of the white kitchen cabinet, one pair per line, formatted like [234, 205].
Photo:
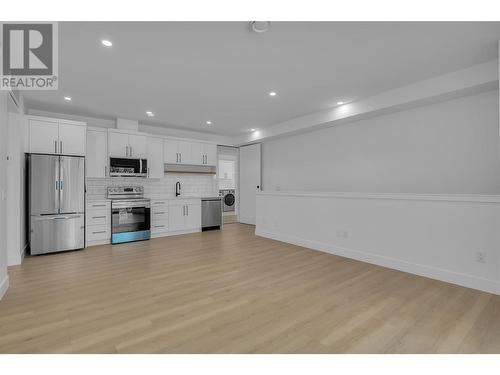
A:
[44, 136]
[72, 139]
[177, 151]
[96, 160]
[138, 146]
[155, 157]
[176, 216]
[118, 145]
[203, 153]
[170, 151]
[127, 145]
[184, 152]
[193, 216]
[56, 136]
[184, 214]
[159, 217]
[98, 223]
[197, 153]
[210, 154]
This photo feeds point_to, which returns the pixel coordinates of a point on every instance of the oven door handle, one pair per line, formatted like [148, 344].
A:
[121, 205]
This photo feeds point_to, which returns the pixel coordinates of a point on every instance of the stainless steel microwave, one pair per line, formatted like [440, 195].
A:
[120, 167]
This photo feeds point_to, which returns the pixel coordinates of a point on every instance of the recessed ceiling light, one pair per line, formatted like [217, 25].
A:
[252, 130]
[209, 122]
[67, 98]
[260, 26]
[150, 114]
[106, 43]
[340, 103]
[272, 93]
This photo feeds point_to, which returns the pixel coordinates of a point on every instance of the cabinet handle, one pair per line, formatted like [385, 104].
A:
[180, 157]
[159, 226]
[126, 151]
[183, 210]
[98, 205]
[55, 147]
[187, 210]
[101, 231]
[98, 217]
[159, 203]
[61, 150]
[159, 213]
[105, 171]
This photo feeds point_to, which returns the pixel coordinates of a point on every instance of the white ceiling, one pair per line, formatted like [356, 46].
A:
[188, 73]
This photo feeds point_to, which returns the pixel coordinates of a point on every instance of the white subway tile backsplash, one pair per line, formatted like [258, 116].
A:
[197, 185]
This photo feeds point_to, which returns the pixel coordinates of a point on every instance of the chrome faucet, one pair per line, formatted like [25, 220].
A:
[177, 188]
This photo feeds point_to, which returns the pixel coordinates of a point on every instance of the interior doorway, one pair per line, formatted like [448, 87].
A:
[228, 182]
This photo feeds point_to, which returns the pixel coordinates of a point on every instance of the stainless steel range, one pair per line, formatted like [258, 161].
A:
[130, 214]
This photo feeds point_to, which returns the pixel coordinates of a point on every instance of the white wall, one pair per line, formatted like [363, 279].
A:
[433, 236]
[447, 147]
[4, 281]
[16, 189]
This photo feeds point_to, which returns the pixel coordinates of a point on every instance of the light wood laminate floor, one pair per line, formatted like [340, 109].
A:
[232, 292]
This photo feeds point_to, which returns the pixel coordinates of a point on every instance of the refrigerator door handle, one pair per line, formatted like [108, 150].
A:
[61, 174]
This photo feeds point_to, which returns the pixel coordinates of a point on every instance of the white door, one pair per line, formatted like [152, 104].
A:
[197, 153]
[193, 217]
[249, 182]
[138, 146]
[185, 152]
[155, 157]
[176, 217]
[97, 154]
[72, 139]
[44, 137]
[171, 151]
[118, 145]
[210, 154]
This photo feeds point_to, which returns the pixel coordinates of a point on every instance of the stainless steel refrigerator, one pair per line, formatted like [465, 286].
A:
[57, 199]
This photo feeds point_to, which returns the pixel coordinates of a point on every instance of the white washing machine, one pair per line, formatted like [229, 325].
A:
[229, 199]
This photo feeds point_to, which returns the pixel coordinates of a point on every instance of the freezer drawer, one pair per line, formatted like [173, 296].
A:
[52, 233]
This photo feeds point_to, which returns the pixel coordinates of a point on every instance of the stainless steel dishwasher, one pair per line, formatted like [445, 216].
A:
[211, 213]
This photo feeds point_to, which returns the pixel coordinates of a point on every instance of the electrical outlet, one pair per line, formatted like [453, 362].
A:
[480, 257]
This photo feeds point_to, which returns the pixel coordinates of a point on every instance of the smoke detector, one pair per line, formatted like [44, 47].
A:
[260, 26]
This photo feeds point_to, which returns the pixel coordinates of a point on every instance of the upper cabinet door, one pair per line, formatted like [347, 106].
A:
[197, 153]
[171, 151]
[185, 152]
[44, 137]
[210, 154]
[72, 139]
[96, 161]
[118, 146]
[155, 157]
[138, 146]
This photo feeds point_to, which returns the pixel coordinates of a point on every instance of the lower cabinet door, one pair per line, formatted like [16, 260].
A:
[177, 217]
[193, 216]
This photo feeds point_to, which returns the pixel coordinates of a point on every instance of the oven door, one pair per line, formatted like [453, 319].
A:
[130, 221]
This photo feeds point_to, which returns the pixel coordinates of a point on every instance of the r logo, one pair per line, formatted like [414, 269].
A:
[27, 49]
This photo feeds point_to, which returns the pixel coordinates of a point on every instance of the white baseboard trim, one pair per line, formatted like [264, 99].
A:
[15, 260]
[469, 281]
[4, 285]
